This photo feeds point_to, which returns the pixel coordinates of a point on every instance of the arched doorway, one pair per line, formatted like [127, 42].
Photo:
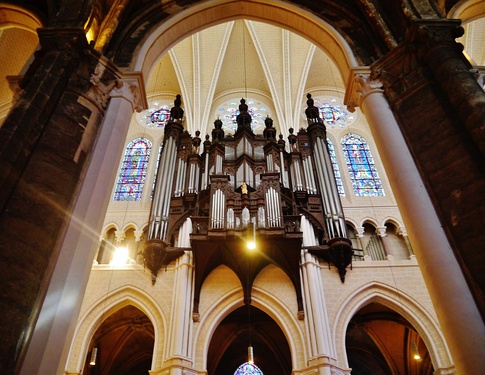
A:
[228, 347]
[380, 341]
[122, 345]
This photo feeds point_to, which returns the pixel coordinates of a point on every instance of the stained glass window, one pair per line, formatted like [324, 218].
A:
[160, 117]
[333, 112]
[156, 116]
[228, 112]
[248, 368]
[336, 170]
[361, 166]
[133, 171]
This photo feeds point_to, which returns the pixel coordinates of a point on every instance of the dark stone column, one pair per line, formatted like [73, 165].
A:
[440, 108]
[44, 145]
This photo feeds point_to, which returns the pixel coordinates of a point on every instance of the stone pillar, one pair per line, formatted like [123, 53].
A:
[139, 251]
[180, 325]
[322, 346]
[381, 232]
[359, 234]
[39, 174]
[433, 91]
[404, 234]
[444, 279]
[58, 316]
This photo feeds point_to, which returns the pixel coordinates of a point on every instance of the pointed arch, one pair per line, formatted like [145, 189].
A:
[263, 300]
[207, 14]
[92, 319]
[424, 323]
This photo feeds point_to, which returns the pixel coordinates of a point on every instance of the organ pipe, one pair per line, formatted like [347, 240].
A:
[163, 191]
[284, 174]
[205, 180]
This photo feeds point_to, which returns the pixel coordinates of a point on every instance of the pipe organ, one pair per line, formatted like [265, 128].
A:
[246, 185]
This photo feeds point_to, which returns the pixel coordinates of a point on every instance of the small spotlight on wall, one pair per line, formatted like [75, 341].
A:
[416, 355]
[94, 354]
[251, 245]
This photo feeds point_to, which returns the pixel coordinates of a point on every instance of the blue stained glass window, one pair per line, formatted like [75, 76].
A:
[155, 117]
[333, 114]
[160, 117]
[336, 170]
[133, 171]
[248, 368]
[361, 166]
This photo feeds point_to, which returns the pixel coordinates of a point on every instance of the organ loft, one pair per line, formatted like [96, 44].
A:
[234, 192]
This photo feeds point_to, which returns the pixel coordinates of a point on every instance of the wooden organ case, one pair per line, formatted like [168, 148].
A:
[242, 188]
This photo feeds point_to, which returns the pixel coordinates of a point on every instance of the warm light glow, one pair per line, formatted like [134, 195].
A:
[94, 353]
[416, 355]
[251, 245]
[90, 35]
[250, 355]
[120, 256]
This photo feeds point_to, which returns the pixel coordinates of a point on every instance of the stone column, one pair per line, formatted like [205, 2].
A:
[180, 325]
[457, 311]
[439, 106]
[58, 316]
[139, 251]
[359, 234]
[381, 232]
[39, 174]
[322, 349]
[404, 234]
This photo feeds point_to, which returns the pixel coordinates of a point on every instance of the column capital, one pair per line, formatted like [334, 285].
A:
[359, 232]
[120, 235]
[131, 87]
[381, 231]
[362, 82]
[138, 234]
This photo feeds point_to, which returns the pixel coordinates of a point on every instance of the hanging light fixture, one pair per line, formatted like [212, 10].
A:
[250, 354]
[416, 355]
[94, 354]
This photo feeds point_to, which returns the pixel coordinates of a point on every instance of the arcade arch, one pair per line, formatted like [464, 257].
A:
[422, 321]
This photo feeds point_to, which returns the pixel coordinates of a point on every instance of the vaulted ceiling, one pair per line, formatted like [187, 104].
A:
[244, 59]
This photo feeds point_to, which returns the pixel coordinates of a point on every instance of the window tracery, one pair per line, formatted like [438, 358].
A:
[155, 117]
[333, 112]
[248, 368]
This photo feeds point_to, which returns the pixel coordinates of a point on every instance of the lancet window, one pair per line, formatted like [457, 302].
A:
[132, 176]
[362, 169]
